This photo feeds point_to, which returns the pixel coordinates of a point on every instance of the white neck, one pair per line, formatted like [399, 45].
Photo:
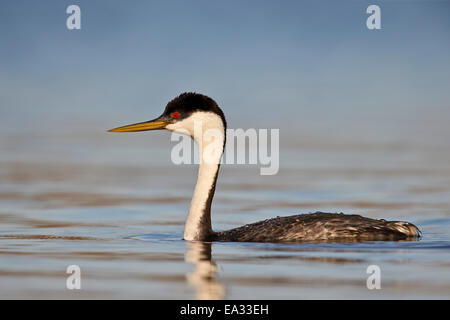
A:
[207, 130]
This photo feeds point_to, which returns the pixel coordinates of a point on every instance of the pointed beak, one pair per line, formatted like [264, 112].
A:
[156, 124]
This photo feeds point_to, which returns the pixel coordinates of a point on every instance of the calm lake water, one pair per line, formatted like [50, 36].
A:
[115, 206]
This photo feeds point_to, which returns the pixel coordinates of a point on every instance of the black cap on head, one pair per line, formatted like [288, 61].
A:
[189, 102]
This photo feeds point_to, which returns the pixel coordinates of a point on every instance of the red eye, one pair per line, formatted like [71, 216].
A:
[175, 115]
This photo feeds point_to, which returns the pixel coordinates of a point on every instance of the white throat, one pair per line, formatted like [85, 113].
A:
[208, 131]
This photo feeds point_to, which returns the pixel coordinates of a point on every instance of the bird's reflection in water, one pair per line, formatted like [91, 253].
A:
[204, 276]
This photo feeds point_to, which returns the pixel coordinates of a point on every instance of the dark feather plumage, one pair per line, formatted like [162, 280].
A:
[320, 226]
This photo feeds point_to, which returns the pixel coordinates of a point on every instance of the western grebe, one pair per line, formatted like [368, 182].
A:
[190, 111]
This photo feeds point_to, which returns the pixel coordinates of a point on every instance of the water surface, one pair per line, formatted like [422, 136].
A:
[115, 206]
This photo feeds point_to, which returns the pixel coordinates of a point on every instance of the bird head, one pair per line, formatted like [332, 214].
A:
[182, 115]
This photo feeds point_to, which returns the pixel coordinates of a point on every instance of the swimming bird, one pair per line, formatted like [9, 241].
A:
[201, 118]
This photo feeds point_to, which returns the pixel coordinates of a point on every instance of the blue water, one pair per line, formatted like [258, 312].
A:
[117, 209]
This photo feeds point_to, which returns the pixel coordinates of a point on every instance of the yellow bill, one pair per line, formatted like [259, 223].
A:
[142, 126]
